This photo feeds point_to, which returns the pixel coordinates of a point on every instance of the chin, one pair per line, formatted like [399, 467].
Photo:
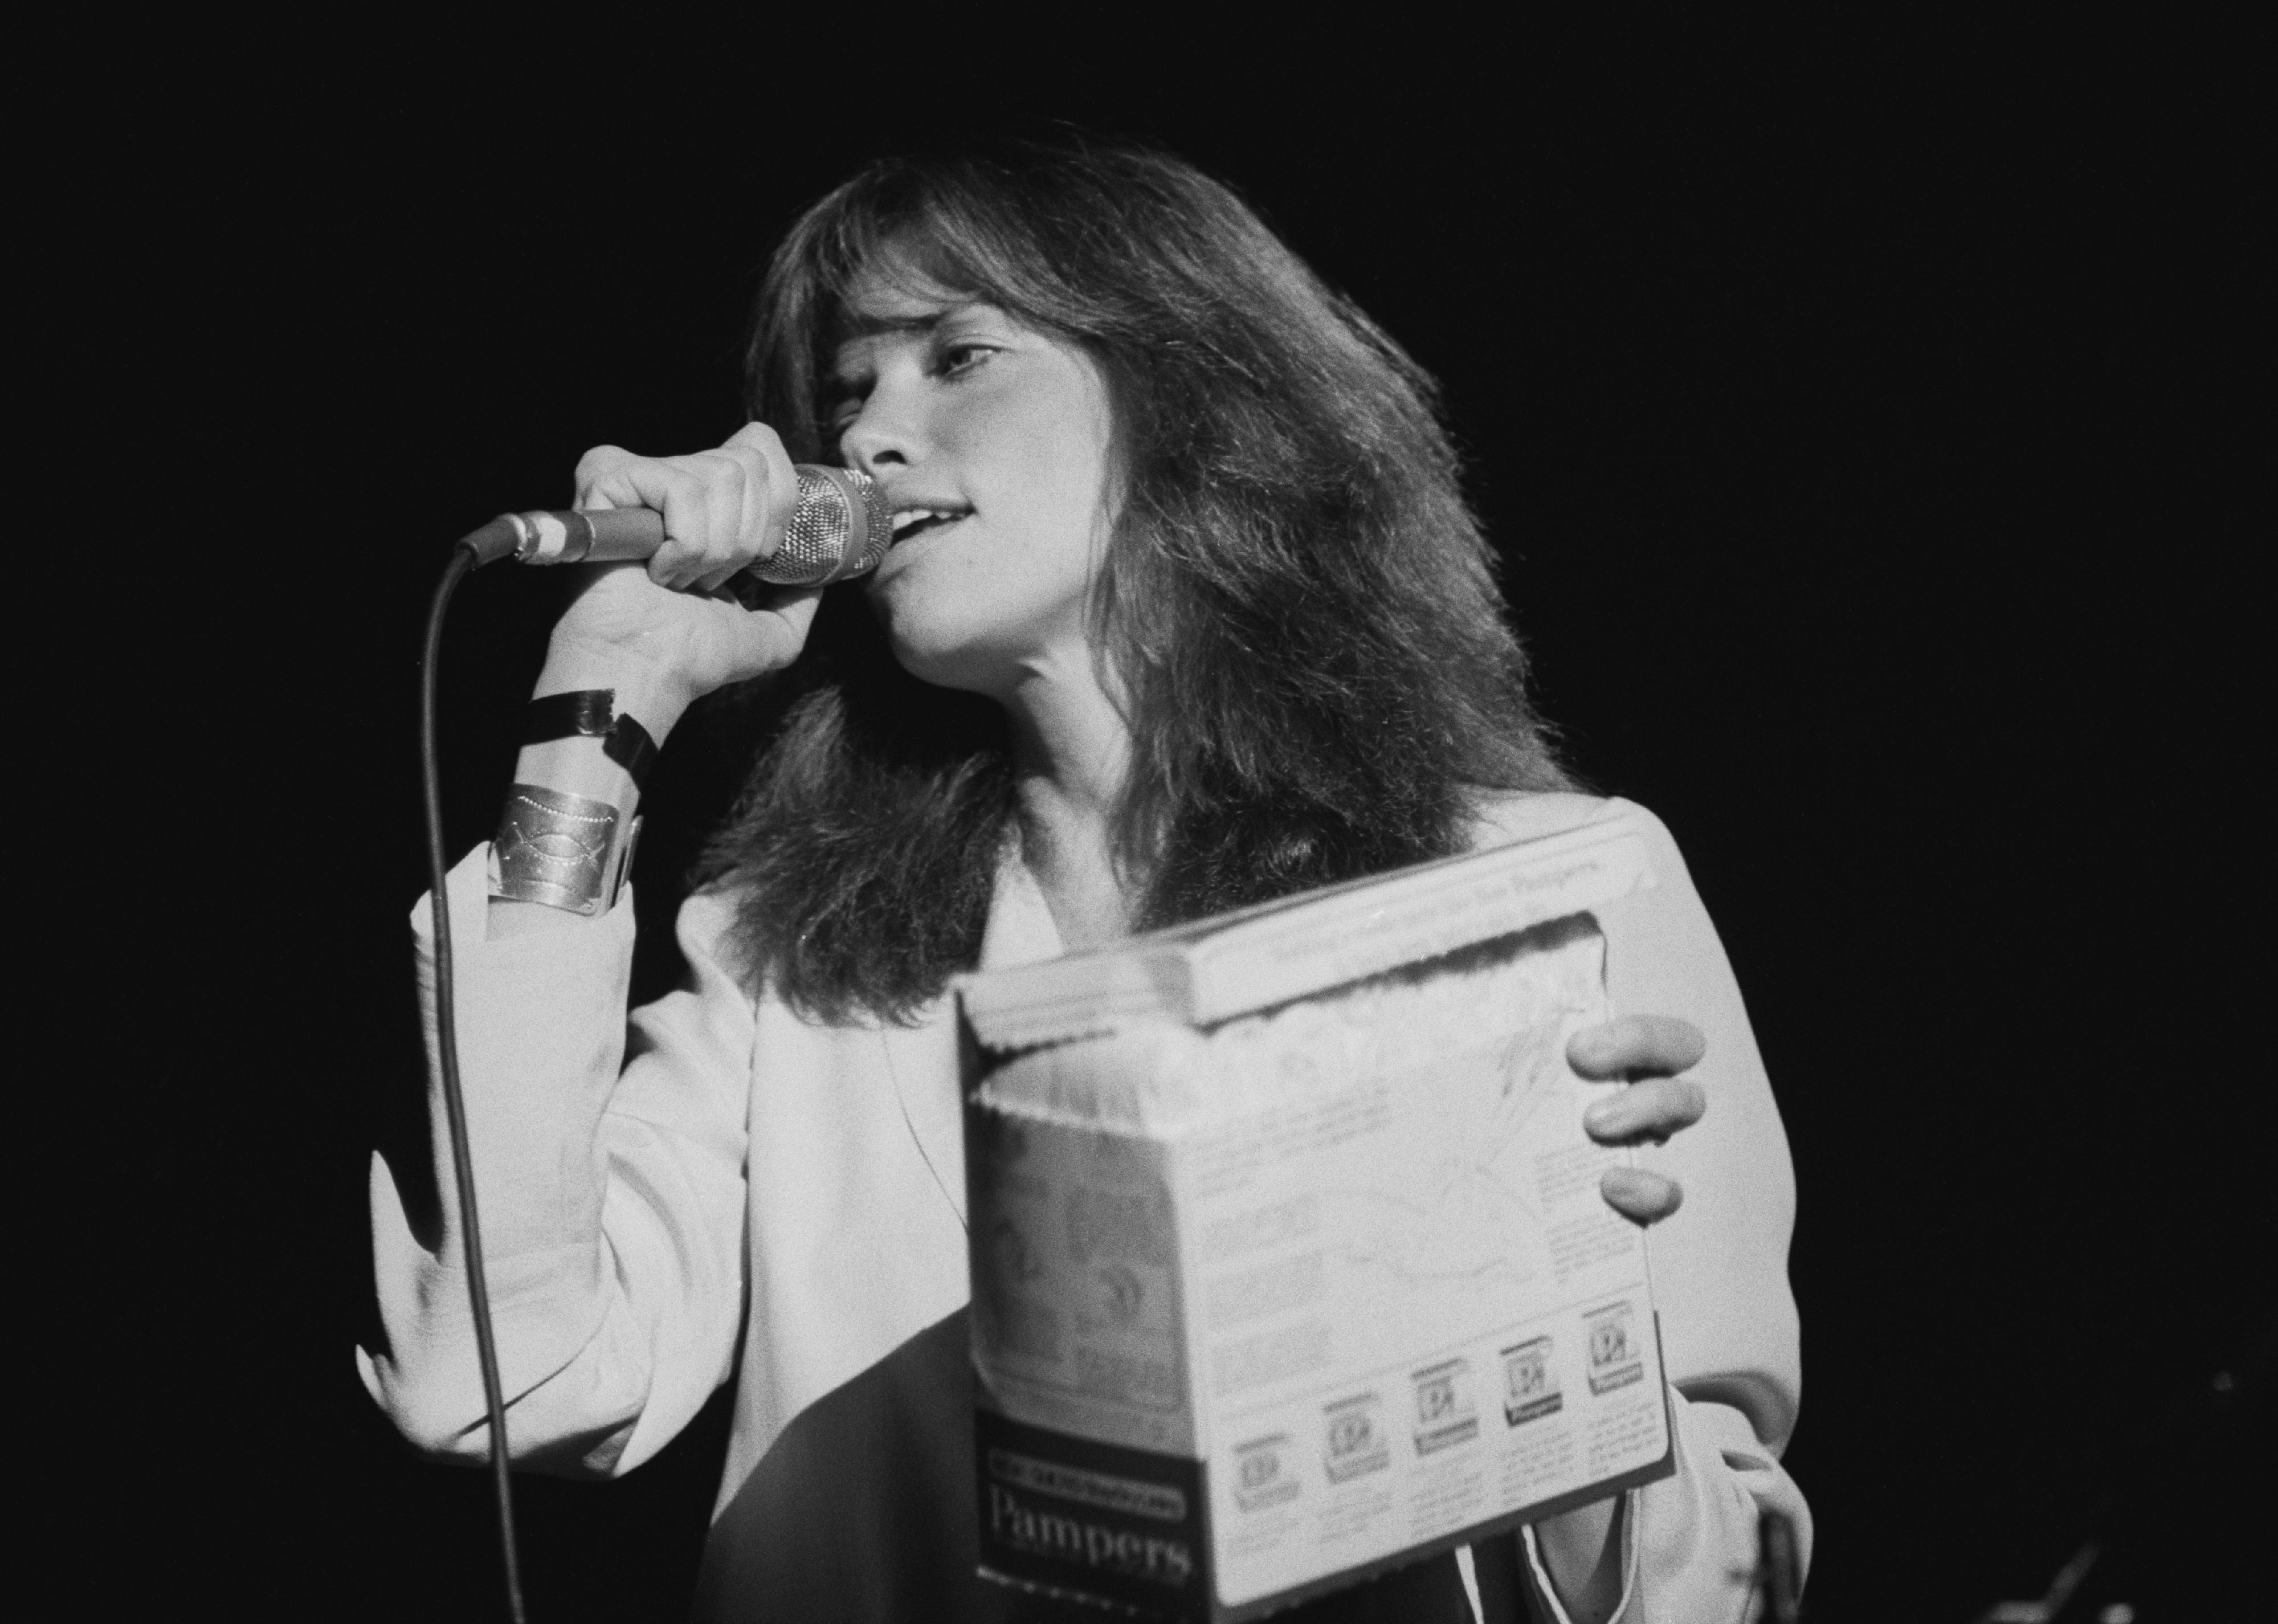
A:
[935, 654]
[979, 644]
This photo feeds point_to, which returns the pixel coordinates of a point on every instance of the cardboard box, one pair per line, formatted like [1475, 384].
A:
[1270, 1302]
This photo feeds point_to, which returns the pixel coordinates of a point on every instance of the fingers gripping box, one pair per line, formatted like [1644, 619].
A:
[1276, 1288]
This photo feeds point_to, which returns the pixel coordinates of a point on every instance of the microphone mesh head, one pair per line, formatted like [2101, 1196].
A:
[841, 530]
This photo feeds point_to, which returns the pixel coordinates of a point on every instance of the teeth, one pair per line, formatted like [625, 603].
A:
[909, 518]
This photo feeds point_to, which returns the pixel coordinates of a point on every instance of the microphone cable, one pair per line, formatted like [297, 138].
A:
[464, 556]
[842, 527]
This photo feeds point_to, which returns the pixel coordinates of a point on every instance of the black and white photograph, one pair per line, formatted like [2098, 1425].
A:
[879, 819]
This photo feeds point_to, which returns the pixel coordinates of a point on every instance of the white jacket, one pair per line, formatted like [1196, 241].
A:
[720, 1188]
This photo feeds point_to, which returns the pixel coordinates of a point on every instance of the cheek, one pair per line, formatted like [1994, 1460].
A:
[1072, 495]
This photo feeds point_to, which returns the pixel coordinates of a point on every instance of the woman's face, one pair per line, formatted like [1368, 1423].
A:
[992, 442]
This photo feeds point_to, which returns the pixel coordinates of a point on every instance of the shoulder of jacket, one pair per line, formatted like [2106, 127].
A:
[1503, 817]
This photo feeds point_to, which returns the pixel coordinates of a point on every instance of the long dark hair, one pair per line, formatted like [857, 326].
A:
[1296, 604]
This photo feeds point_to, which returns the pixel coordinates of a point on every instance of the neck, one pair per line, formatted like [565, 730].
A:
[1072, 751]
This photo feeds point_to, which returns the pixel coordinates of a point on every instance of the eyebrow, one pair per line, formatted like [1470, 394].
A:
[874, 326]
[861, 327]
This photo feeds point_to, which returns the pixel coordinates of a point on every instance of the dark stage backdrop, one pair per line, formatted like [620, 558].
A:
[1856, 435]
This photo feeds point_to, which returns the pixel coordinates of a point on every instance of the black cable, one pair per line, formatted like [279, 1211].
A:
[464, 558]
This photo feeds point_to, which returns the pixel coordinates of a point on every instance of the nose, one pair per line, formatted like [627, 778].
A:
[889, 431]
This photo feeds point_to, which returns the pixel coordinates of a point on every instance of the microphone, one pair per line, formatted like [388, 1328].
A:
[841, 529]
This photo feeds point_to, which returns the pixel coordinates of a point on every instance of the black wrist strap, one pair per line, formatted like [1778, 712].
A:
[592, 713]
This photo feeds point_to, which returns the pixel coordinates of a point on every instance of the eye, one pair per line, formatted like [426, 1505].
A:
[954, 358]
[839, 408]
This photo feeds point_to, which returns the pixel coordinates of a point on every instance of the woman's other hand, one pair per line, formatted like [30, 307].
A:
[654, 631]
[1648, 1053]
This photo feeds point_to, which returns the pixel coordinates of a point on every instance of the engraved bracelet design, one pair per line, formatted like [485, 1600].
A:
[560, 850]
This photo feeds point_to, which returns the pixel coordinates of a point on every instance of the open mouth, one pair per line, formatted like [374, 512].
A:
[916, 521]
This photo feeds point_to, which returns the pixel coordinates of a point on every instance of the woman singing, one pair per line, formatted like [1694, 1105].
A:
[1184, 611]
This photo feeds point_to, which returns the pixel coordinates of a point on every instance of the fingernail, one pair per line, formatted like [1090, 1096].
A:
[1625, 1189]
[1606, 1116]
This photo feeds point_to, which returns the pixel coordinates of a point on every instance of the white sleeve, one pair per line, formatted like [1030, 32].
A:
[1727, 1316]
[612, 1204]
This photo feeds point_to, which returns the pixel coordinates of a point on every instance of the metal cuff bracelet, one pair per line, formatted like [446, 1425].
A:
[560, 850]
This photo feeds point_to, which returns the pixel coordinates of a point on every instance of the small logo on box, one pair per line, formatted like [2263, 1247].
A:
[1356, 1443]
[1530, 1386]
[1261, 1474]
[1446, 1413]
[1616, 1360]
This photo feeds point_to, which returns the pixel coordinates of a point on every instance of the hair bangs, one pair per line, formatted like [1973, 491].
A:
[955, 228]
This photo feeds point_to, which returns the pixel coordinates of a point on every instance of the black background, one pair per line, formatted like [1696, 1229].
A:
[1863, 421]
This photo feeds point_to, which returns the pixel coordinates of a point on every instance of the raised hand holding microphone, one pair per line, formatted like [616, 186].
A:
[654, 637]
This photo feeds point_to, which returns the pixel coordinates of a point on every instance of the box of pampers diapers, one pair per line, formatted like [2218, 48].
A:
[1289, 1264]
